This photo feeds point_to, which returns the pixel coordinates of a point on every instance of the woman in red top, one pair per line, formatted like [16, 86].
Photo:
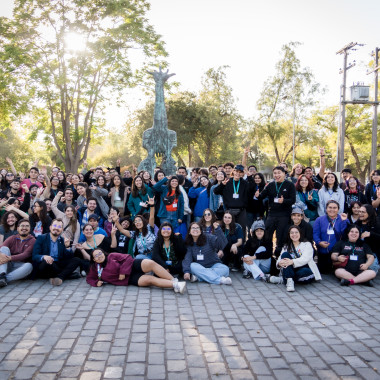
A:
[122, 270]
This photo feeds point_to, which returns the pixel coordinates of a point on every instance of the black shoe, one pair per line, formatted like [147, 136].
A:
[344, 282]
[3, 280]
[74, 276]
[247, 274]
[369, 283]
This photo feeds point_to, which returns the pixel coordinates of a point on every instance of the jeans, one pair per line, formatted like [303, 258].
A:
[302, 275]
[14, 270]
[259, 267]
[141, 256]
[171, 217]
[375, 265]
[211, 275]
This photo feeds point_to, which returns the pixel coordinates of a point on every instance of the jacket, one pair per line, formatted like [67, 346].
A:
[244, 189]
[311, 211]
[215, 199]
[134, 202]
[98, 194]
[42, 248]
[252, 245]
[21, 250]
[324, 197]
[159, 255]
[203, 200]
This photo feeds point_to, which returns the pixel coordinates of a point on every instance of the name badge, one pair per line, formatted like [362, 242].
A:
[353, 257]
[168, 262]
[235, 196]
[174, 205]
[330, 231]
[142, 204]
[305, 207]
[200, 257]
[255, 198]
[275, 200]
[121, 244]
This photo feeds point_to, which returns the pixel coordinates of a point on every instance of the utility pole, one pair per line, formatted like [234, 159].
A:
[374, 120]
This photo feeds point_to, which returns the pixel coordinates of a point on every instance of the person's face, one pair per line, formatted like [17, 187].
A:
[40, 178]
[237, 175]
[108, 176]
[138, 182]
[48, 205]
[207, 215]
[283, 165]
[363, 214]
[56, 228]
[195, 230]
[259, 233]
[16, 204]
[91, 205]
[220, 176]
[182, 172]
[3, 172]
[139, 223]
[352, 183]
[127, 174]
[346, 176]
[298, 169]
[101, 181]
[37, 208]
[353, 235]
[33, 174]
[15, 185]
[204, 181]
[55, 181]
[9, 177]
[174, 183]
[112, 173]
[60, 176]
[125, 224]
[160, 176]
[221, 169]
[146, 176]
[33, 190]
[296, 218]
[166, 231]
[11, 220]
[113, 212]
[94, 223]
[252, 170]
[116, 181]
[213, 171]
[304, 182]
[69, 195]
[69, 212]
[75, 179]
[332, 210]
[81, 177]
[81, 190]
[54, 171]
[23, 229]
[308, 173]
[278, 175]
[257, 179]
[375, 177]
[69, 178]
[294, 235]
[228, 170]
[227, 219]
[98, 256]
[98, 172]
[88, 231]
[355, 209]
[330, 179]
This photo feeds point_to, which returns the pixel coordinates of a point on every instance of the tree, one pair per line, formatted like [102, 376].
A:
[40, 51]
[291, 88]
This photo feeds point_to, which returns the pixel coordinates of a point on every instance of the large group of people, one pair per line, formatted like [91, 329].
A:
[151, 229]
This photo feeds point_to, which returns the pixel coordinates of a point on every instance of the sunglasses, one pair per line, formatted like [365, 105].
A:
[10, 175]
[166, 229]
[56, 225]
[207, 214]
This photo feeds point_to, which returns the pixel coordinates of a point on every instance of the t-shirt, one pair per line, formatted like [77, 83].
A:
[232, 239]
[357, 254]
[7, 234]
[144, 244]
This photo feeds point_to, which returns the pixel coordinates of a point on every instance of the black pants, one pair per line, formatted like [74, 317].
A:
[241, 218]
[61, 269]
[280, 224]
[325, 263]
[229, 257]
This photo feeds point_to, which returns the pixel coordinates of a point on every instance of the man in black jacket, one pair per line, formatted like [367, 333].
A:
[282, 195]
[236, 192]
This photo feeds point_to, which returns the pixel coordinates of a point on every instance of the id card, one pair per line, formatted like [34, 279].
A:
[121, 244]
[174, 205]
[353, 257]
[275, 200]
[142, 204]
[168, 262]
[200, 257]
[235, 196]
[330, 231]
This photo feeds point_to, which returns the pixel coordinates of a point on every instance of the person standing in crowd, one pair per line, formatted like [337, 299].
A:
[352, 259]
[216, 200]
[202, 196]
[52, 257]
[32, 180]
[308, 197]
[327, 230]
[317, 179]
[236, 193]
[12, 191]
[354, 213]
[202, 261]
[15, 253]
[372, 190]
[91, 209]
[352, 194]
[228, 168]
[138, 199]
[118, 194]
[281, 195]
[67, 199]
[296, 261]
[297, 170]
[86, 193]
[330, 191]
[255, 209]
[188, 184]
[186, 202]
[213, 170]
[257, 253]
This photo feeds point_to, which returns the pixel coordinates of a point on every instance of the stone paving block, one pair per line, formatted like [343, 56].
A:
[113, 372]
[91, 376]
[217, 369]
[156, 372]
[52, 366]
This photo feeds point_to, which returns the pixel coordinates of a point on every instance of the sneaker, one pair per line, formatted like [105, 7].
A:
[233, 269]
[56, 281]
[266, 277]
[344, 282]
[179, 287]
[369, 283]
[193, 278]
[290, 285]
[83, 273]
[225, 281]
[276, 280]
[3, 280]
[247, 274]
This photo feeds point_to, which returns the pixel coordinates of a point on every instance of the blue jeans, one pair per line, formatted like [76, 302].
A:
[14, 270]
[211, 275]
[141, 256]
[171, 217]
[302, 275]
[375, 266]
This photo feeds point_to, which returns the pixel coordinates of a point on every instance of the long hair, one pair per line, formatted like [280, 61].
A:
[63, 183]
[202, 240]
[336, 182]
[157, 173]
[376, 171]
[208, 186]
[357, 183]
[202, 222]
[144, 229]
[232, 224]
[104, 179]
[121, 186]
[294, 170]
[372, 220]
[262, 183]
[177, 190]
[92, 261]
[88, 191]
[135, 190]
[289, 242]
[73, 220]
[43, 213]
[160, 239]
[4, 222]
[309, 186]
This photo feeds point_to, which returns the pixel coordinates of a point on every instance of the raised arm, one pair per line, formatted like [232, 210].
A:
[10, 162]
[151, 212]
[322, 162]
[58, 213]
[115, 219]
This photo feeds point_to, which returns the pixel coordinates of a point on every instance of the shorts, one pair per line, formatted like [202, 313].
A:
[136, 272]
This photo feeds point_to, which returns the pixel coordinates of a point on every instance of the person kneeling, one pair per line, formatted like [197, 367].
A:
[296, 261]
[122, 270]
[351, 259]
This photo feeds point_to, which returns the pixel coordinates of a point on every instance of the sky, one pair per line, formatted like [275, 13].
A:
[247, 35]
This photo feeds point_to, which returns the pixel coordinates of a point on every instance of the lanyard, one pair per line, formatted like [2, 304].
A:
[278, 188]
[142, 240]
[167, 250]
[332, 223]
[100, 270]
[226, 232]
[331, 192]
[304, 196]
[353, 249]
[375, 187]
[236, 189]
[95, 246]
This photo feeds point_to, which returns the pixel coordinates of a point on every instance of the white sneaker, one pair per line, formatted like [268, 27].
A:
[225, 281]
[193, 278]
[290, 285]
[179, 287]
[276, 280]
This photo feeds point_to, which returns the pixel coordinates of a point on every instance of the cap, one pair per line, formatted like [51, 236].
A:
[297, 210]
[240, 168]
[94, 216]
[258, 224]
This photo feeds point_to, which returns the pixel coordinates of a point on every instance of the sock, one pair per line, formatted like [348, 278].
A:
[352, 282]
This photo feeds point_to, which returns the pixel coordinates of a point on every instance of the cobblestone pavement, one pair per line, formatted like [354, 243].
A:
[244, 331]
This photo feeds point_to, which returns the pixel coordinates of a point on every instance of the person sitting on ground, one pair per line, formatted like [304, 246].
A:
[52, 257]
[296, 261]
[169, 249]
[8, 226]
[15, 253]
[93, 219]
[202, 261]
[352, 259]
[216, 200]
[122, 270]
[207, 221]
[257, 253]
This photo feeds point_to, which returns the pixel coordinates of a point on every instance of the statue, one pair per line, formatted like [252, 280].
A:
[159, 140]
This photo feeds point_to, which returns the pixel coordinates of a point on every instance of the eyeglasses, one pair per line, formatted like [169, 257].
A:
[362, 212]
[207, 214]
[166, 229]
[9, 175]
[56, 225]
[195, 228]
[98, 255]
